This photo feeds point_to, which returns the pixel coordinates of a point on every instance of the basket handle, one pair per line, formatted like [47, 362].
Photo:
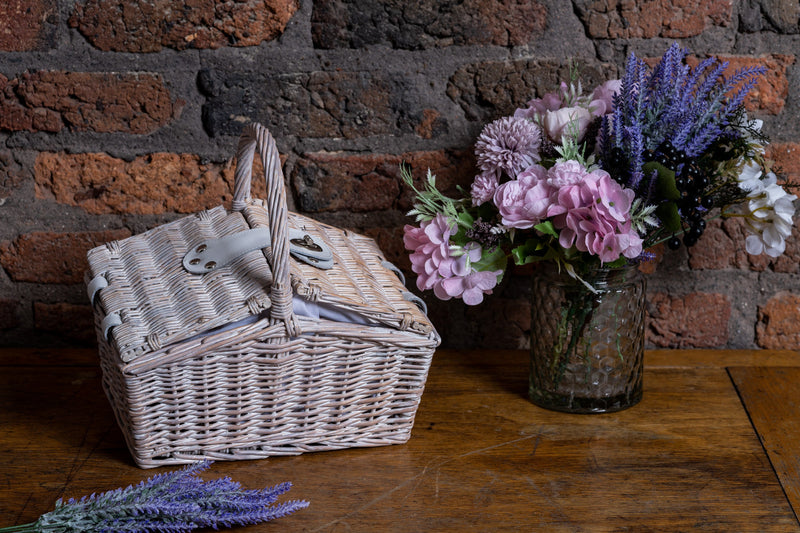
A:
[257, 136]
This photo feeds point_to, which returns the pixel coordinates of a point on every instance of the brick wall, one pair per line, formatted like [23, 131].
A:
[119, 115]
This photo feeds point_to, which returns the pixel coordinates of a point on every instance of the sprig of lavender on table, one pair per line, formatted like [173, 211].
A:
[171, 502]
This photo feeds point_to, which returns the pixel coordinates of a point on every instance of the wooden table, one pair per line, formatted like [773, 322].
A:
[714, 446]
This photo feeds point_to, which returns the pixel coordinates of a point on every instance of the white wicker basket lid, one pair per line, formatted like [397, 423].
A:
[150, 300]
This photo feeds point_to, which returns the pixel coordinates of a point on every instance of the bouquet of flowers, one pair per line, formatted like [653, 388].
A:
[595, 180]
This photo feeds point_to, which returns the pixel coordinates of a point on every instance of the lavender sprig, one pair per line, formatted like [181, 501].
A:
[175, 501]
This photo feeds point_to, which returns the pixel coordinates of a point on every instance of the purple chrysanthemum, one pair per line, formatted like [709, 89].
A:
[508, 145]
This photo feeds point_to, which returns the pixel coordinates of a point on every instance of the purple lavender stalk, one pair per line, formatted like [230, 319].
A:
[175, 501]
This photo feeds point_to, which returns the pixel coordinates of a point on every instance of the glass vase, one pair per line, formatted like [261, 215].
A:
[587, 342]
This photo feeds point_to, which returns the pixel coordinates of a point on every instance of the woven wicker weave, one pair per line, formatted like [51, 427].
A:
[220, 366]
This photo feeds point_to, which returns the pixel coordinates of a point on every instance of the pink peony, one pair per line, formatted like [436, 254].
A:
[566, 173]
[523, 202]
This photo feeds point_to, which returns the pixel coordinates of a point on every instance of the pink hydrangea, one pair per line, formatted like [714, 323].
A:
[430, 246]
[437, 268]
[523, 202]
[593, 213]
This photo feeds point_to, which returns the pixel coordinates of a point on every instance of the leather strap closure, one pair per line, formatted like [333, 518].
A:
[216, 253]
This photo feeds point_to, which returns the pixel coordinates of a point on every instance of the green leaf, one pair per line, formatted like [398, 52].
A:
[530, 251]
[665, 183]
[670, 219]
[547, 228]
[466, 219]
[496, 260]
[617, 263]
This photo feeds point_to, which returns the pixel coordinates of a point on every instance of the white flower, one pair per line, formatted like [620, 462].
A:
[770, 214]
[750, 176]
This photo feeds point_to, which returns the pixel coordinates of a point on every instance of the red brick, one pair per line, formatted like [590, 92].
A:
[27, 25]
[425, 23]
[135, 26]
[697, 320]
[769, 95]
[8, 313]
[723, 246]
[778, 325]
[430, 123]
[330, 181]
[151, 184]
[85, 101]
[786, 157]
[672, 19]
[46, 257]
[74, 322]
[486, 90]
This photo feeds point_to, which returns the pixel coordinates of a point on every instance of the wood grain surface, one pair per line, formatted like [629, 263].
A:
[481, 457]
[772, 398]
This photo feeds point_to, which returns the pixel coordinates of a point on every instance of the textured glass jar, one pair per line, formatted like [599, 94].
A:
[587, 346]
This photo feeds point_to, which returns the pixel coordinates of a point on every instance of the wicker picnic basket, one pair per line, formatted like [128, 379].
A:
[256, 332]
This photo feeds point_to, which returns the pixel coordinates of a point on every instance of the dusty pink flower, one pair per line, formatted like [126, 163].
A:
[430, 246]
[539, 106]
[603, 97]
[566, 173]
[471, 287]
[567, 121]
[592, 212]
[483, 187]
[436, 268]
[523, 202]
[508, 145]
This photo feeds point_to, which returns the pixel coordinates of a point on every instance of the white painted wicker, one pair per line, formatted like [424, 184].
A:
[223, 366]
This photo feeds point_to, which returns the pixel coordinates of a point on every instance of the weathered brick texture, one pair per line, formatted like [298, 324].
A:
[48, 257]
[135, 26]
[490, 89]
[780, 16]
[723, 246]
[698, 320]
[27, 25]
[425, 24]
[769, 95]
[645, 19]
[317, 104]
[151, 184]
[12, 173]
[334, 181]
[786, 157]
[85, 101]
[778, 320]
